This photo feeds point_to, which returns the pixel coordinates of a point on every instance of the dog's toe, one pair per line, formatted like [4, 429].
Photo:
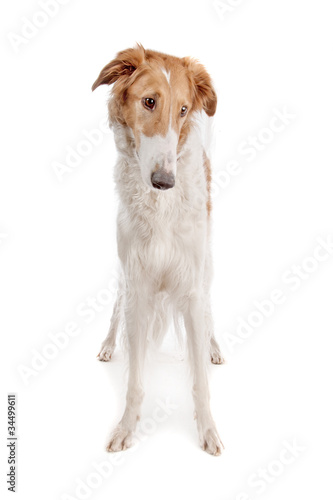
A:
[121, 439]
[212, 443]
[106, 353]
[216, 358]
[215, 353]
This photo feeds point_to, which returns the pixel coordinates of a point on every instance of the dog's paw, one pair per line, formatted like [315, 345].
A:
[216, 356]
[120, 440]
[212, 443]
[105, 353]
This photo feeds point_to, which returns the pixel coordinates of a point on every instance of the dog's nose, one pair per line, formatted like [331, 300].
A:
[162, 180]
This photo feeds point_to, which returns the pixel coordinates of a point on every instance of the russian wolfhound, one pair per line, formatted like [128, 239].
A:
[163, 178]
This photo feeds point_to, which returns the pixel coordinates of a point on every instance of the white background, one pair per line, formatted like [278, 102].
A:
[58, 248]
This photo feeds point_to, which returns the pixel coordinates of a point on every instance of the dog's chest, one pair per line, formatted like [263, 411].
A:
[174, 255]
[165, 245]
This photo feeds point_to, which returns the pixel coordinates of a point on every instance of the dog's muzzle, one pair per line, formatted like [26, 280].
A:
[161, 179]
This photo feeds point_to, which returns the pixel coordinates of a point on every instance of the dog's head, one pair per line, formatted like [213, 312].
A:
[155, 95]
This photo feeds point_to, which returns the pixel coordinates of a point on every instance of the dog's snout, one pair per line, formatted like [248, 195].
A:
[162, 180]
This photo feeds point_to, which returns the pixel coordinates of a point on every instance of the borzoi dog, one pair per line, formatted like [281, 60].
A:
[163, 178]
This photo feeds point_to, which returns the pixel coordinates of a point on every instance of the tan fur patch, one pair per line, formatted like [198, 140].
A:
[208, 174]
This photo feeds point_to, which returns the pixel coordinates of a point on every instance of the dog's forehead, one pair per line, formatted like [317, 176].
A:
[162, 77]
[149, 79]
[177, 78]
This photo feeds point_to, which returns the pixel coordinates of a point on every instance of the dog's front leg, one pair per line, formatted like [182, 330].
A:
[136, 316]
[197, 343]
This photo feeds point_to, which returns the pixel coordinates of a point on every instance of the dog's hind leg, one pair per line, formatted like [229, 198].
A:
[215, 352]
[109, 344]
[137, 322]
[214, 349]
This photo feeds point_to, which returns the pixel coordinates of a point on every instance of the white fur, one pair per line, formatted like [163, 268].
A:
[157, 150]
[163, 246]
[166, 74]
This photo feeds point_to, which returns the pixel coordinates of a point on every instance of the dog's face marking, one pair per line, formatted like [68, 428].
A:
[167, 74]
[155, 95]
[154, 110]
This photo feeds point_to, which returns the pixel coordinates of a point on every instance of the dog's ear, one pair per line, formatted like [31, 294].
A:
[204, 94]
[124, 65]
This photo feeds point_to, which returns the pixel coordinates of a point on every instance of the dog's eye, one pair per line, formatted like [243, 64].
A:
[183, 111]
[149, 103]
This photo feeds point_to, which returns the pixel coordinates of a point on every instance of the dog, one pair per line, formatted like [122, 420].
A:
[163, 178]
